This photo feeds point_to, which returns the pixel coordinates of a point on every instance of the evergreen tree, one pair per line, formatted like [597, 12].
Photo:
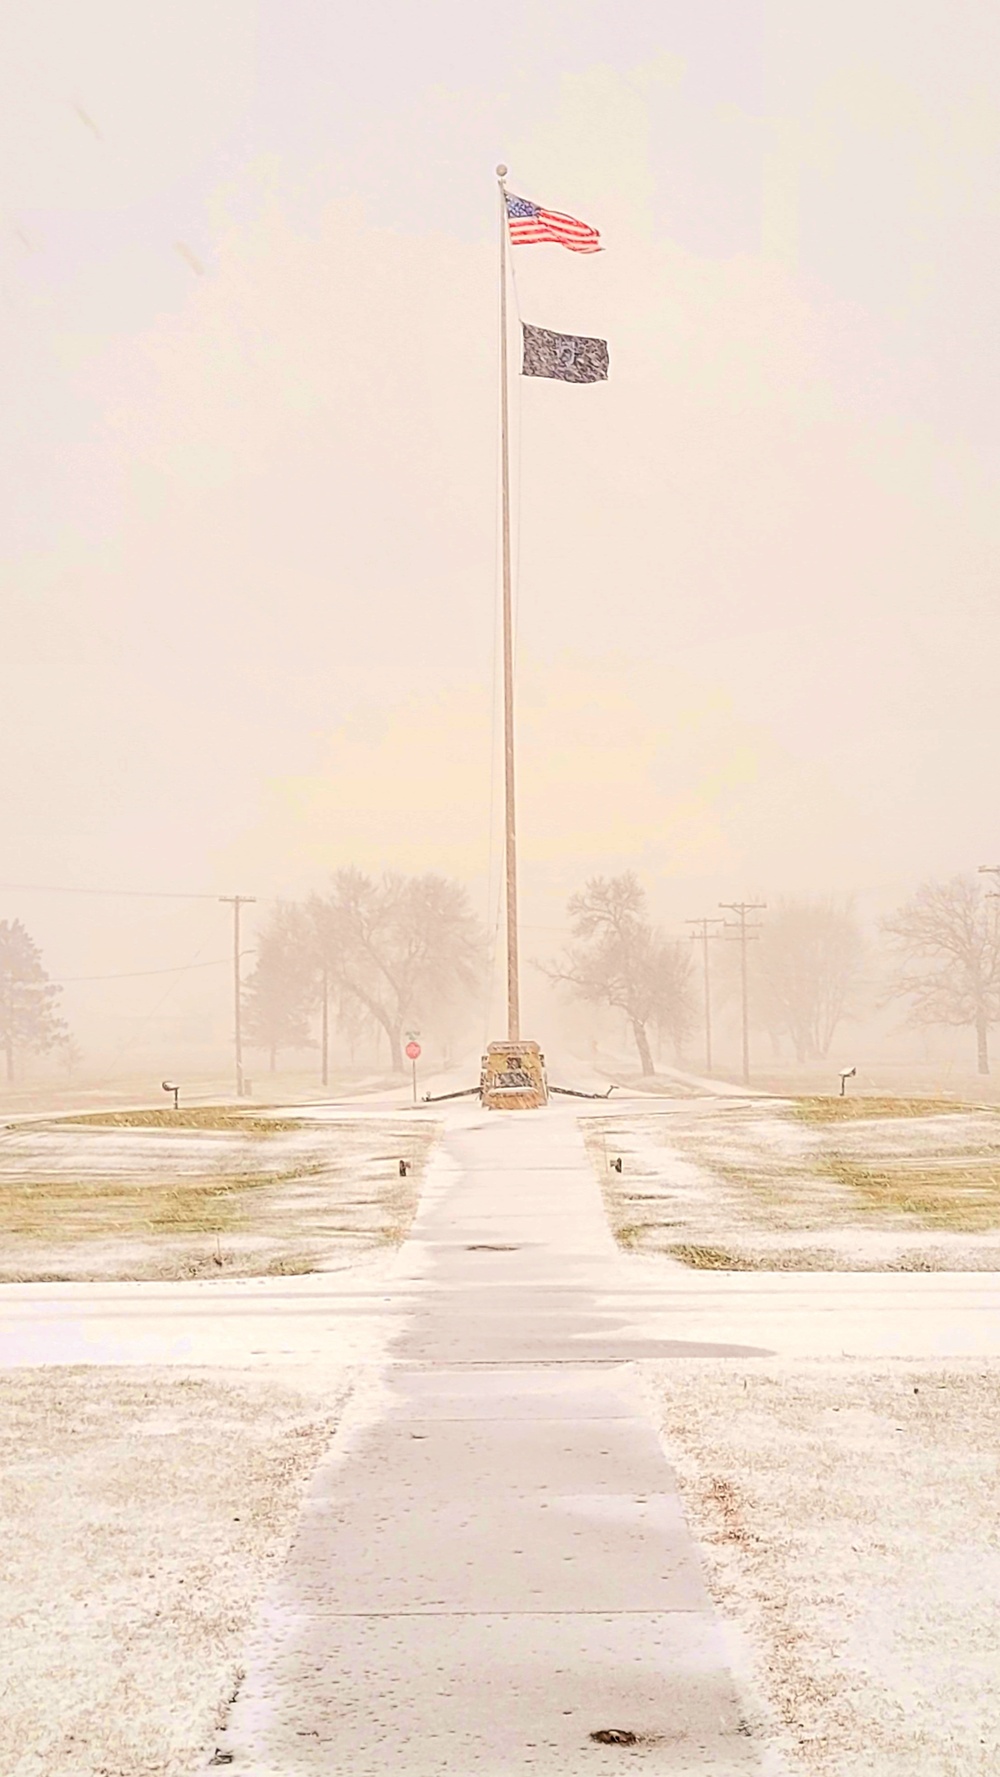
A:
[28, 1020]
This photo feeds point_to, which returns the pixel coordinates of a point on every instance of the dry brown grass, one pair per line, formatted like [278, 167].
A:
[717, 1258]
[203, 1116]
[710, 1258]
[71, 1210]
[859, 1109]
[963, 1196]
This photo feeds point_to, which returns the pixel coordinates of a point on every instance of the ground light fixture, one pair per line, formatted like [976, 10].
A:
[168, 1086]
[846, 1073]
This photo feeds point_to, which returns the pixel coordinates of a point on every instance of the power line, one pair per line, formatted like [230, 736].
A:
[45, 888]
[130, 1039]
[141, 974]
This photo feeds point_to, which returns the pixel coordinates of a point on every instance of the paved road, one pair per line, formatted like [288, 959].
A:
[319, 1320]
[498, 1568]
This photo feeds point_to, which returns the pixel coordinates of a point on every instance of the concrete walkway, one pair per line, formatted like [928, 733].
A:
[496, 1568]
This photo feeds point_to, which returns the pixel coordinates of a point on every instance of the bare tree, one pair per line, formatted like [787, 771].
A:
[946, 948]
[28, 1020]
[619, 958]
[281, 992]
[401, 947]
[805, 965]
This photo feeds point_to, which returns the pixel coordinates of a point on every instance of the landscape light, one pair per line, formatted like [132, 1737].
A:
[168, 1086]
[846, 1073]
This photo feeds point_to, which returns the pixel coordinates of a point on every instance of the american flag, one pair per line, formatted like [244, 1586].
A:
[529, 222]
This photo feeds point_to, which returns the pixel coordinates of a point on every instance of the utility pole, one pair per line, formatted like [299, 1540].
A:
[991, 870]
[746, 934]
[704, 934]
[236, 902]
[326, 1024]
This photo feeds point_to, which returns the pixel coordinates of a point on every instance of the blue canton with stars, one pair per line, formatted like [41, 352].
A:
[520, 206]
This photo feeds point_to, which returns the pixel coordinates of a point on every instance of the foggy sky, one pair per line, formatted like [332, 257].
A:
[249, 513]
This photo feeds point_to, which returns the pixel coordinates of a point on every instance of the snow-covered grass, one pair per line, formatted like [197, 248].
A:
[141, 1514]
[204, 1192]
[848, 1517]
[761, 1184]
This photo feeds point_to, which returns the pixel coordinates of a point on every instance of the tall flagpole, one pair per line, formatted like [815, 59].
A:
[513, 989]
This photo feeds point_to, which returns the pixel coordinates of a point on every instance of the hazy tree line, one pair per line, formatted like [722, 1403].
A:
[376, 957]
[375, 954]
[396, 952]
[810, 966]
[937, 957]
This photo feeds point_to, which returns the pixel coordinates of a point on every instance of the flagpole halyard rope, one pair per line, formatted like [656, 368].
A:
[518, 464]
[510, 833]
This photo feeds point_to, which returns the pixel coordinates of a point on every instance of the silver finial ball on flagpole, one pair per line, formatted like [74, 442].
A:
[501, 172]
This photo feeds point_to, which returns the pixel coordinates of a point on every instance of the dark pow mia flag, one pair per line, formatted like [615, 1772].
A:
[569, 357]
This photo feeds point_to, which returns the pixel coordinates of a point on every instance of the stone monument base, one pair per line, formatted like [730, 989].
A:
[513, 1077]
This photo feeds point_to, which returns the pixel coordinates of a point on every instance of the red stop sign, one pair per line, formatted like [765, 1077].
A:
[413, 1050]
